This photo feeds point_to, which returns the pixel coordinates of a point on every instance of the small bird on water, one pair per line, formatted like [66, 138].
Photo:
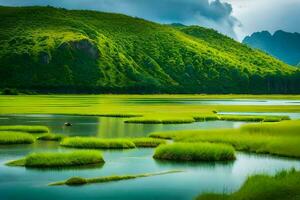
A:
[68, 124]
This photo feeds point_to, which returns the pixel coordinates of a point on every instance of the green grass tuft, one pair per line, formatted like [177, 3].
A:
[203, 118]
[97, 143]
[58, 159]
[279, 138]
[51, 137]
[195, 152]
[7, 137]
[147, 142]
[284, 185]
[142, 120]
[82, 181]
[25, 128]
[284, 128]
[253, 118]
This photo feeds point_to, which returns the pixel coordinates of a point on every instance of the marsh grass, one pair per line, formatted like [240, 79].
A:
[195, 152]
[76, 181]
[25, 128]
[147, 142]
[142, 120]
[284, 185]
[10, 137]
[207, 117]
[58, 159]
[50, 137]
[97, 143]
[278, 138]
[119, 115]
[283, 128]
[253, 118]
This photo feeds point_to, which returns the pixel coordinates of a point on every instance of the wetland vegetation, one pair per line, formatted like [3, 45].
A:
[75, 181]
[280, 138]
[28, 129]
[7, 137]
[195, 152]
[97, 143]
[215, 142]
[59, 159]
[284, 185]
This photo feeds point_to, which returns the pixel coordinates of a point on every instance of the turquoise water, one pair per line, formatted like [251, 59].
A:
[22, 183]
[196, 178]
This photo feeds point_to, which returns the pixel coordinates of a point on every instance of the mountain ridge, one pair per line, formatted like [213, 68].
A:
[281, 44]
[47, 49]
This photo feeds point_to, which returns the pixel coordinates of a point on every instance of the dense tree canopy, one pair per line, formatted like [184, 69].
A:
[47, 49]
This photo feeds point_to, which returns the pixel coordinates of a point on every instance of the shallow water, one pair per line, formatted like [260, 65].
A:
[22, 183]
[195, 101]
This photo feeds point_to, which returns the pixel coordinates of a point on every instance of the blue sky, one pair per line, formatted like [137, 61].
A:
[235, 18]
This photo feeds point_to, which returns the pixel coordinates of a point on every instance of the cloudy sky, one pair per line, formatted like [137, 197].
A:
[235, 18]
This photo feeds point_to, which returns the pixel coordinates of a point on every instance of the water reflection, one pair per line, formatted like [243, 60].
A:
[106, 127]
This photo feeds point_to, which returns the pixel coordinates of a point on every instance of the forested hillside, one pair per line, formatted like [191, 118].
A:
[46, 49]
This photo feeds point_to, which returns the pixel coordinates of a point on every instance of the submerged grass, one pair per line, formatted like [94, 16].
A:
[195, 152]
[147, 142]
[51, 137]
[75, 181]
[25, 128]
[10, 137]
[97, 143]
[284, 185]
[280, 138]
[58, 159]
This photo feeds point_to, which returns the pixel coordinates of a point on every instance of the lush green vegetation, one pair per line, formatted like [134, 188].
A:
[159, 120]
[7, 137]
[105, 179]
[284, 185]
[50, 137]
[28, 129]
[88, 51]
[249, 118]
[279, 138]
[194, 152]
[94, 105]
[58, 159]
[285, 128]
[147, 142]
[97, 143]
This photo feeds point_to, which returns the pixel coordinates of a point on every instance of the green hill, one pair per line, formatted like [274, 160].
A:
[46, 49]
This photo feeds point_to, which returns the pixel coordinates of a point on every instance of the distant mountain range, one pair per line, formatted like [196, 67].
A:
[282, 45]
